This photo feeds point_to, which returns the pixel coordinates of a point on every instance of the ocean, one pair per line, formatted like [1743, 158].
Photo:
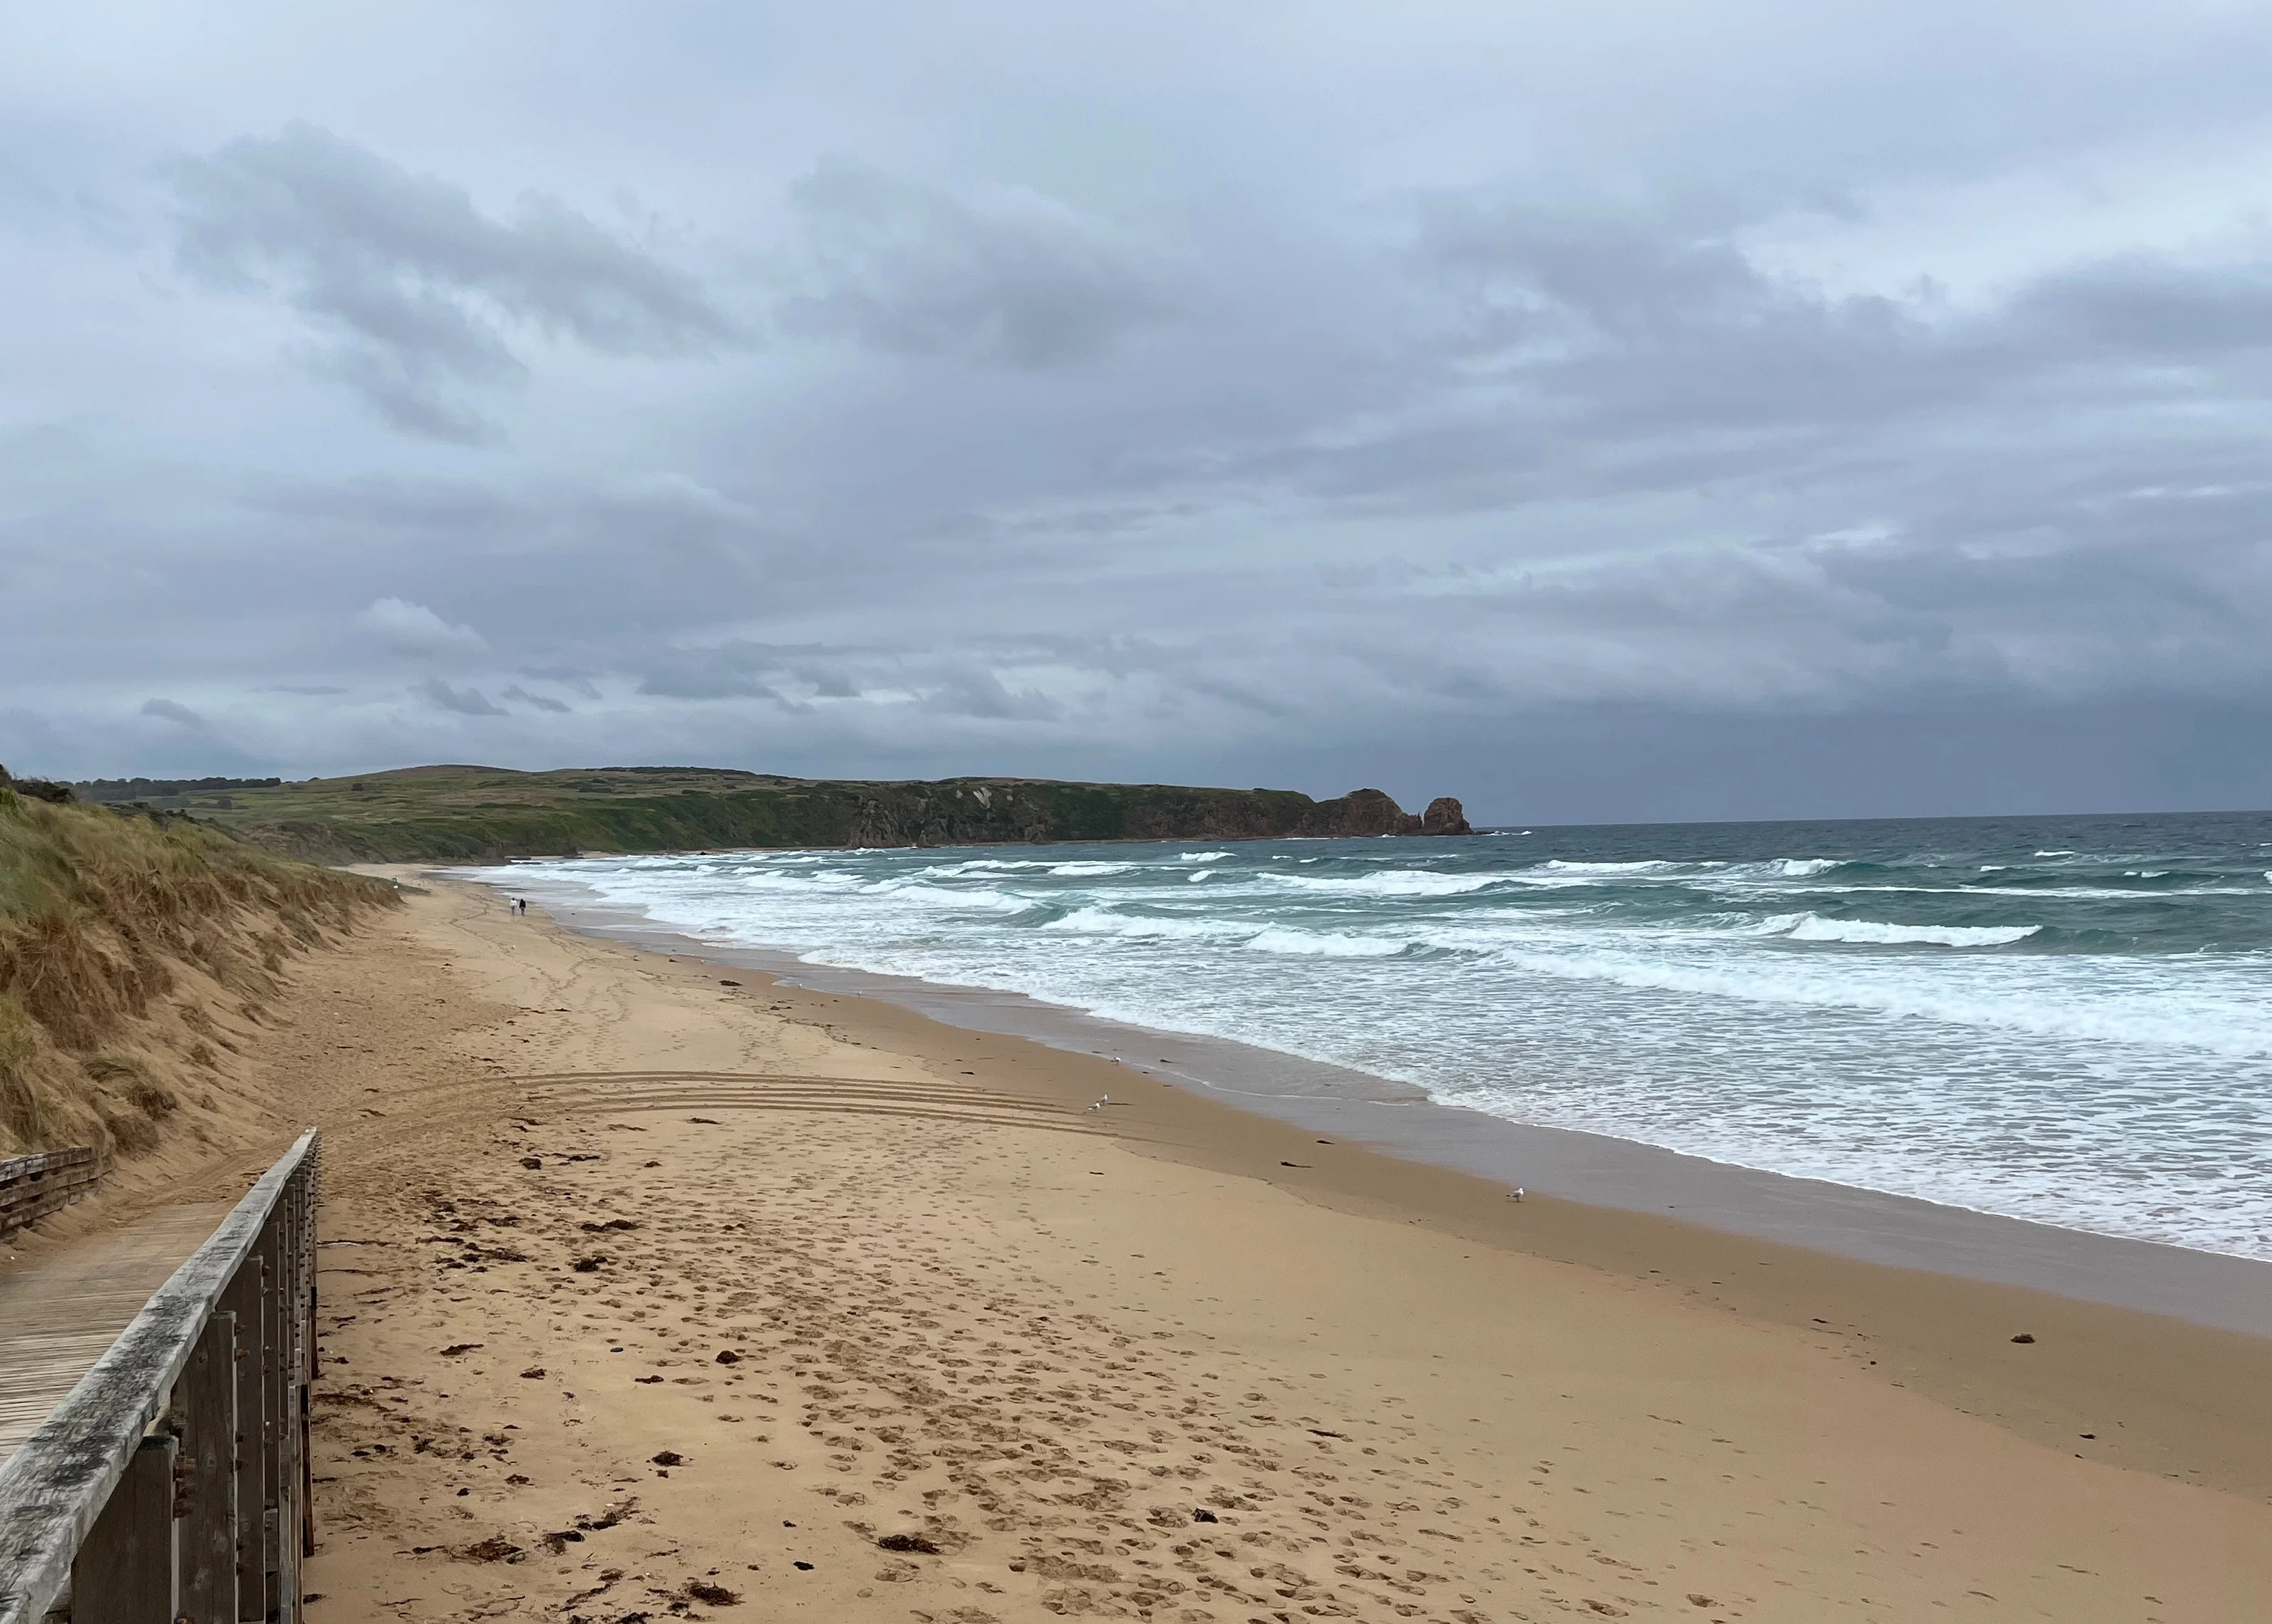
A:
[2067, 1020]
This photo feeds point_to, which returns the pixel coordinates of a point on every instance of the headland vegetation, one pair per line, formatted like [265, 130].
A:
[454, 812]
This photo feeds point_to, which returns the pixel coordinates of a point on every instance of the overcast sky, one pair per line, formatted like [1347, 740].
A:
[1633, 410]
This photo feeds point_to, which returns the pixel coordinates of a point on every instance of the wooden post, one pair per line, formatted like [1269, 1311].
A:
[245, 1297]
[208, 1538]
[279, 1474]
[127, 1572]
[311, 1368]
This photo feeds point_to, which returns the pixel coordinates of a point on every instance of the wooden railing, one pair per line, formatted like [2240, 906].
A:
[31, 1187]
[171, 1484]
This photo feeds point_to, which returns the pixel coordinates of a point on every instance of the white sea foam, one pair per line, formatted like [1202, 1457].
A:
[1814, 927]
[1800, 868]
[2143, 1019]
[1200, 857]
[1140, 927]
[947, 898]
[1323, 944]
[1555, 865]
[1089, 870]
[1395, 882]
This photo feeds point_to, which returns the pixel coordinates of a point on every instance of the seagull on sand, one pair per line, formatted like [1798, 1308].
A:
[1515, 1193]
[1102, 1100]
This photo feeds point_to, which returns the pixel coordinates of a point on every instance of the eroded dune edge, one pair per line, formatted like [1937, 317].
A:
[646, 1296]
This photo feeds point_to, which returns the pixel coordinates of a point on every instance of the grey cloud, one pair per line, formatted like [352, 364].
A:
[463, 701]
[412, 629]
[980, 694]
[166, 710]
[578, 682]
[1011, 277]
[415, 284]
[2140, 304]
[827, 682]
[542, 702]
[729, 672]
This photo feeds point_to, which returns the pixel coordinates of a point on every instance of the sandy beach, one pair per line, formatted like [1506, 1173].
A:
[653, 1289]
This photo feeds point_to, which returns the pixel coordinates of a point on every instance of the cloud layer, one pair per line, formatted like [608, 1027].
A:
[412, 286]
[1472, 399]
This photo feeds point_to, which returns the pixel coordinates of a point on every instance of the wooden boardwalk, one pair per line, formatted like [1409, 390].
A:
[57, 1315]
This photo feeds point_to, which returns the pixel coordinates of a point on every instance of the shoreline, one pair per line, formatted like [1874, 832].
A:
[2100, 1381]
[2211, 1289]
[654, 1285]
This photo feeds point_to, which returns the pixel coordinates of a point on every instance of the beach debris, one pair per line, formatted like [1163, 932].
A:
[726, 1356]
[722, 981]
[1515, 1193]
[707, 1121]
[532, 1161]
[907, 1542]
[716, 1595]
[612, 1516]
[496, 1548]
[1293, 1164]
[1697, 1598]
[586, 1265]
[2023, 1337]
[601, 1229]
[668, 1457]
[645, 1381]
[456, 1348]
[802, 1566]
[1202, 1515]
[533, 1372]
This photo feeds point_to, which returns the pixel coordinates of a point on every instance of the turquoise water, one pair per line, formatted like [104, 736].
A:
[2062, 1019]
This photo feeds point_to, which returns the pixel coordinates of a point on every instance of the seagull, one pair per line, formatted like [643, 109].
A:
[1102, 1100]
[1515, 1193]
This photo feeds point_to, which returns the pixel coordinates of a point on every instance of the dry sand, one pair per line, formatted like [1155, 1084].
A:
[646, 1295]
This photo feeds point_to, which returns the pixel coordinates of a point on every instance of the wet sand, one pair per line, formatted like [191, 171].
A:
[646, 1295]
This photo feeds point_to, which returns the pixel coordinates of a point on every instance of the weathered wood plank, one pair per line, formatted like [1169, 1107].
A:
[60, 1314]
[127, 1572]
[31, 1187]
[54, 1486]
[205, 1410]
[244, 1300]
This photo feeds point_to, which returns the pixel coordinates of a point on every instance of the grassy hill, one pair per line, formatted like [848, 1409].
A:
[134, 951]
[487, 814]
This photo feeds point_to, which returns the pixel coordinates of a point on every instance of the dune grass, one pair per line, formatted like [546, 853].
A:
[118, 936]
